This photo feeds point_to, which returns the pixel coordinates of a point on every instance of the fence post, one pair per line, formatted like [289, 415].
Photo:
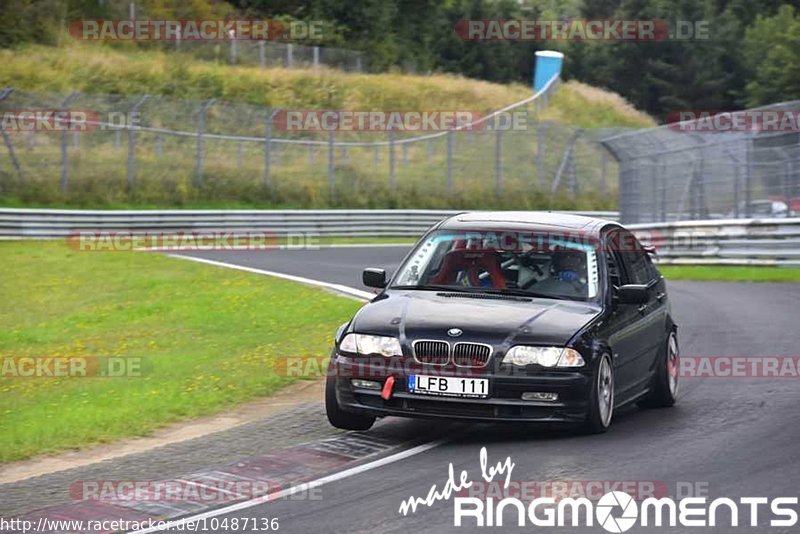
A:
[450, 150]
[331, 165]
[498, 161]
[268, 149]
[604, 172]
[736, 193]
[405, 154]
[64, 147]
[565, 161]
[131, 171]
[748, 178]
[289, 55]
[159, 145]
[316, 57]
[233, 50]
[392, 162]
[7, 140]
[540, 148]
[201, 147]
[262, 54]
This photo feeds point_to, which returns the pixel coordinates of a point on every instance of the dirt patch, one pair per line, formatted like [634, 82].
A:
[299, 393]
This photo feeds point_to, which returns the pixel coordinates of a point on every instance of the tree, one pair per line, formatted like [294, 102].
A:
[772, 56]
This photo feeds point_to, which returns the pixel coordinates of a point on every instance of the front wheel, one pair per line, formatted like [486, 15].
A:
[340, 418]
[601, 398]
[664, 389]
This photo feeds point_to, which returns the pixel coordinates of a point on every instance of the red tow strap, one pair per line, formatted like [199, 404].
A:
[388, 387]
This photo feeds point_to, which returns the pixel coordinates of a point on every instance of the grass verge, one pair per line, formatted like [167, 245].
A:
[207, 339]
[729, 273]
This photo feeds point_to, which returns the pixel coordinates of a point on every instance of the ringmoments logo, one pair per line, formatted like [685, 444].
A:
[615, 511]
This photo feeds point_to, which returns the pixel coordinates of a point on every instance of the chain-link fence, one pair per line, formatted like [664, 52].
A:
[696, 170]
[185, 151]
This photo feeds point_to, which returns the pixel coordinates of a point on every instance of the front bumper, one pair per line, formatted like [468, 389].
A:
[504, 402]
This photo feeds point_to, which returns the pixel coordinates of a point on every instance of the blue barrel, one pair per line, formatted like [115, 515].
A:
[548, 65]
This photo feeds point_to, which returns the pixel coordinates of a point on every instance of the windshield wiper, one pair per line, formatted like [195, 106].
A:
[522, 293]
[437, 287]
[481, 290]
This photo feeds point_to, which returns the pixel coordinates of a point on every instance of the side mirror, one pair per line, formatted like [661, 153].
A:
[633, 294]
[374, 278]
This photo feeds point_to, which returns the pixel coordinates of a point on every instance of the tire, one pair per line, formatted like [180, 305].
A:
[601, 398]
[664, 389]
[340, 418]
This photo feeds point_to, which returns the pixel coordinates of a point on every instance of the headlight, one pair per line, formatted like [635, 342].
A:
[523, 355]
[365, 345]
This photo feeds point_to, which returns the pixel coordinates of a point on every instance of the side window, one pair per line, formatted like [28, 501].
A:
[639, 271]
[652, 270]
[634, 263]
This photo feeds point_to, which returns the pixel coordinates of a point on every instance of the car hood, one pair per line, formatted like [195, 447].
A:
[411, 315]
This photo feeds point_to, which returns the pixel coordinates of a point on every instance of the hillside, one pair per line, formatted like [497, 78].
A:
[98, 69]
[234, 173]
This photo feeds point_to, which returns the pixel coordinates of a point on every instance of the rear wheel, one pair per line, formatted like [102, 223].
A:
[340, 418]
[601, 398]
[664, 389]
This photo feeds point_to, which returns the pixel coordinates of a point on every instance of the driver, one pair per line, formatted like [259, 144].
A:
[567, 274]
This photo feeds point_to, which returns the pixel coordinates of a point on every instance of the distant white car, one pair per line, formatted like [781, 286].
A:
[776, 209]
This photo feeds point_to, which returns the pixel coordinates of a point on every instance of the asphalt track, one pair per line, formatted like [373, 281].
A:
[728, 437]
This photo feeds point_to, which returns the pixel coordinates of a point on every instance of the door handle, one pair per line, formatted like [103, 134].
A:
[643, 308]
[660, 296]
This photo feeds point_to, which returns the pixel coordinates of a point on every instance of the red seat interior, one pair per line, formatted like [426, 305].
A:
[472, 262]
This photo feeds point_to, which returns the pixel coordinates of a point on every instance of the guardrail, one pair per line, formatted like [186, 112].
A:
[724, 242]
[49, 224]
[717, 242]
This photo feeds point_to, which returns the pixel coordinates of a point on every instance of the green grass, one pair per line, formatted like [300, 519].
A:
[208, 338]
[729, 273]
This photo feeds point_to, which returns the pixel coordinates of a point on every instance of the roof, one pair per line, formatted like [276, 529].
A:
[523, 220]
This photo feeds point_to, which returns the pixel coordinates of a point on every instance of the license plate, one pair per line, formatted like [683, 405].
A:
[449, 386]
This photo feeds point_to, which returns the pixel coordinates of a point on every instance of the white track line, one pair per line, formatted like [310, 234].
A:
[402, 455]
[349, 291]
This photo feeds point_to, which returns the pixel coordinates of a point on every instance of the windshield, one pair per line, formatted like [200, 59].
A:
[521, 263]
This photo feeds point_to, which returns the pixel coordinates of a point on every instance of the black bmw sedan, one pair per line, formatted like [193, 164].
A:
[509, 316]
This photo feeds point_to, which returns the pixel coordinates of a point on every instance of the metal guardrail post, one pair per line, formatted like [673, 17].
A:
[131, 170]
[201, 147]
[7, 140]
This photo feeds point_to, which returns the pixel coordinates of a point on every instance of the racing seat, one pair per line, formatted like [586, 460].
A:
[470, 262]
